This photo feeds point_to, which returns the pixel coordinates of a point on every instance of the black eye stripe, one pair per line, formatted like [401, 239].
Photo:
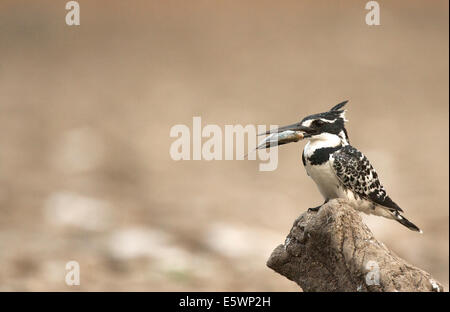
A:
[318, 123]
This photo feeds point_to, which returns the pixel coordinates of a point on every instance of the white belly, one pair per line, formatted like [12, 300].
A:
[325, 179]
[330, 187]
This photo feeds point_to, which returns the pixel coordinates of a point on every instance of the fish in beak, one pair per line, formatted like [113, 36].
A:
[280, 138]
[284, 135]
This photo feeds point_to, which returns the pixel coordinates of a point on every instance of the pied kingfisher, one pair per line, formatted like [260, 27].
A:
[338, 169]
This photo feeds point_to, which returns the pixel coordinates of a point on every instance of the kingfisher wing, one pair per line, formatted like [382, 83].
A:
[356, 173]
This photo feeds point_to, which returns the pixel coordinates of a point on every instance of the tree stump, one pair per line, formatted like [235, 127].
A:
[333, 250]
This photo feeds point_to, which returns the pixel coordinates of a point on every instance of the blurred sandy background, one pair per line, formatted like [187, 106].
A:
[85, 114]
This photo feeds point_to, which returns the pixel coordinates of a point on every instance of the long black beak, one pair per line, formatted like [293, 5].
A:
[294, 127]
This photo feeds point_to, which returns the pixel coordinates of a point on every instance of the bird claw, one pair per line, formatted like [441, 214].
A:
[315, 209]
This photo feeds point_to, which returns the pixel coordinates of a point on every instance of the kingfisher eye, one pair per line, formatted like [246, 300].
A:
[318, 123]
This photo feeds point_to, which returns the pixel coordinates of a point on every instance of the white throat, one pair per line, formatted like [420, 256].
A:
[323, 140]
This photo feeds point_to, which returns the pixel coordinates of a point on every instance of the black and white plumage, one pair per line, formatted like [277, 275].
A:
[339, 169]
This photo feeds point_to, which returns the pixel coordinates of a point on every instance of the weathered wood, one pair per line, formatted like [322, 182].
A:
[333, 250]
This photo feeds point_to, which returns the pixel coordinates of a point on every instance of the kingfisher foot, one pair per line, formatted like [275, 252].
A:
[315, 209]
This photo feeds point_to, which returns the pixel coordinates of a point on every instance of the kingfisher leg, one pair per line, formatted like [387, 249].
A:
[315, 209]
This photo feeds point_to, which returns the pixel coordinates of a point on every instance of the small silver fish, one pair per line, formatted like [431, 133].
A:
[280, 138]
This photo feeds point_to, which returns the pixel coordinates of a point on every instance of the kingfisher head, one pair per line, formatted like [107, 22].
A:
[329, 125]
